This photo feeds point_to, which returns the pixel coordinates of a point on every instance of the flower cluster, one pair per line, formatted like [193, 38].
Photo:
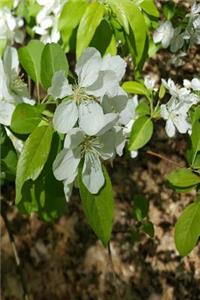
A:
[47, 20]
[94, 115]
[12, 89]
[167, 35]
[175, 112]
[10, 27]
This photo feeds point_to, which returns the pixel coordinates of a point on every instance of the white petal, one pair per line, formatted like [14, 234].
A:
[74, 138]
[106, 83]
[129, 112]
[181, 124]
[164, 112]
[67, 190]
[195, 84]
[134, 154]
[92, 174]
[115, 64]
[65, 116]
[60, 87]
[11, 62]
[120, 140]
[170, 128]
[88, 67]
[107, 140]
[91, 117]
[4, 93]
[66, 164]
[109, 121]
[6, 111]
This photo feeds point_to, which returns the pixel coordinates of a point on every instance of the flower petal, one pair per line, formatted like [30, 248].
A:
[92, 174]
[65, 116]
[67, 190]
[88, 67]
[91, 117]
[74, 138]
[107, 140]
[60, 87]
[106, 82]
[6, 111]
[170, 128]
[66, 164]
[109, 121]
[115, 64]
[11, 62]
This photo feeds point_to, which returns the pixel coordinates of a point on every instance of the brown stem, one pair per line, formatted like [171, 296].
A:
[164, 158]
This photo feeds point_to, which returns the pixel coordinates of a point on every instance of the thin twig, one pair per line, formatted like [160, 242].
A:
[16, 256]
[164, 158]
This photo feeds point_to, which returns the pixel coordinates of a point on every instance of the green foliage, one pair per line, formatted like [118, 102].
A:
[99, 208]
[141, 207]
[150, 8]
[33, 157]
[53, 60]
[8, 156]
[138, 27]
[25, 118]
[30, 59]
[69, 20]
[88, 25]
[141, 133]
[187, 229]
[183, 178]
[195, 138]
[45, 195]
[134, 87]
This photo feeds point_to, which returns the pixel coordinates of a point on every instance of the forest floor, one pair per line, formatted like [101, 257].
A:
[64, 260]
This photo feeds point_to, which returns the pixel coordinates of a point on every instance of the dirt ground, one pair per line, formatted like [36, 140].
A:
[65, 261]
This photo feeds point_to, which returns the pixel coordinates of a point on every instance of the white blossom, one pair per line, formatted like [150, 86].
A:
[79, 146]
[12, 89]
[175, 112]
[164, 34]
[97, 77]
[47, 20]
[10, 27]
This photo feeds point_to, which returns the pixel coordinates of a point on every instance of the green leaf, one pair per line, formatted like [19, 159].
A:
[70, 18]
[6, 3]
[183, 178]
[150, 8]
[25, 118]
[195, 137]
[187, 228]
[30, 59]
[45, 195]
[134, 87]
[88, 25]
[53, 60]
[8, 155]
[143, 108]
[138, 26]
[141, 133]
[148, 228]
[119, 11]
[141, 207]
[99, 208]
[33, 157]
[102, 37]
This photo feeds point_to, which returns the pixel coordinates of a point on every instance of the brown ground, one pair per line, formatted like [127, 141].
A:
[64, 261]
